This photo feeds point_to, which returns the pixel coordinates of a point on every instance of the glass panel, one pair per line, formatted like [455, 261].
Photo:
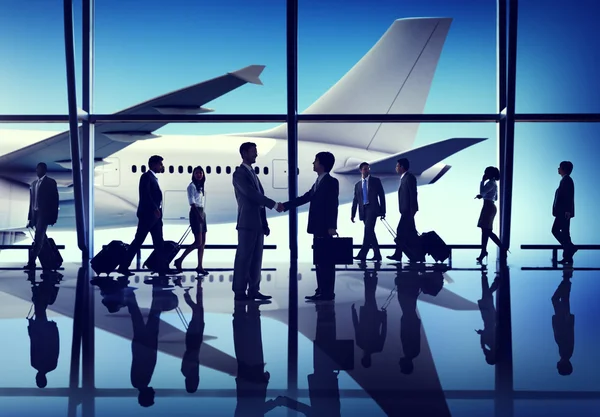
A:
[557, 62]
[434, 56]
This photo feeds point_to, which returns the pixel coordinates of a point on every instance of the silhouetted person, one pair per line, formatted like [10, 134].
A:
[369, 197]
[371, 330]
[409, 289]
[197, 200]
[488, 191]
[322, 219]
[144, 344]
[406, 233]
[43, 210]
[45, 343]
[563, 324]
[252, 227]
[113, 292]
[563, 210]
[190, 365]
[488, 315]
[252, 380]
[149, 214]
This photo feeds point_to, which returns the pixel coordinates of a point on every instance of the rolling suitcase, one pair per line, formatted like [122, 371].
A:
[435, 246]
[413, 248]
[49, 256]
[169, 251]
[109, 258]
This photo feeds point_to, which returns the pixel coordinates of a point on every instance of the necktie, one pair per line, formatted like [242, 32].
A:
[364, 188]
[316, 184]
[36, 193]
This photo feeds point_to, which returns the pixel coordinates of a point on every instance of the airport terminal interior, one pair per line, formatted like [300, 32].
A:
[513, 334]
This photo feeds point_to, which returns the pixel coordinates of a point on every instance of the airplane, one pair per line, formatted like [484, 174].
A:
[395, 76]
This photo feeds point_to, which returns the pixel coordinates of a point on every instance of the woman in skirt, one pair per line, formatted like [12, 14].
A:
[197, 200]
[488, 191]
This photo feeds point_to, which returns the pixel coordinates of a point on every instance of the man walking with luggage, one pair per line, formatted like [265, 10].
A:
[149, 214]
[563, 210]
[43, 210]
[406, 234]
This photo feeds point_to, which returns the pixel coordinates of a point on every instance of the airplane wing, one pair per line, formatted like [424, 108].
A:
[420, 158]
[112, 137]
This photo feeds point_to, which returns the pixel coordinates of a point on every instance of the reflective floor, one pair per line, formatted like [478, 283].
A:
[398, 340]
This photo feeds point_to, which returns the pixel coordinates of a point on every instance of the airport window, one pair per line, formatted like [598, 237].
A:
[266, 170]
[208, 169]
[218, 170]
[180, 169]
[190, 169]
[134, 169]
[228, 170]
[143, 168]
[171, 169]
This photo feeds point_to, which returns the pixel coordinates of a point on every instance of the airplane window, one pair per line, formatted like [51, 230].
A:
[133, 168]
[190, 169]
[218, 170]
[266, 170]
[143, 168]
[208, 169]
[257, 170]
[171, 169]
[228, 170]
[180, 169]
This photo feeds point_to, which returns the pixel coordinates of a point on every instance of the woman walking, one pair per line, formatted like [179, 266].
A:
[488, 191]
[197, 200]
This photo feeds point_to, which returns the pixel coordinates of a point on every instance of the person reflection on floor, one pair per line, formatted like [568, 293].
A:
[252, 379]
[113, 292]
[409, 288]
[144, 344]
[371, 330]
[190, 365]
[563, 323]
[43, 334]
[488, 315]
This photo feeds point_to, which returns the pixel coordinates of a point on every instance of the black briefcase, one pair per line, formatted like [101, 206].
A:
[335, 250]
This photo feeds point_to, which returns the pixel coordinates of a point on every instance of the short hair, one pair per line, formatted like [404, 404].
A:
[43, 165]
[567, 167]
[245, 147]
[154, 159]
[493, 173]
[361, 165]
[403, 162]
[327, 160]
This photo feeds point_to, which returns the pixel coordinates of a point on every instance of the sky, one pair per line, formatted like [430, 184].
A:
[143, 52]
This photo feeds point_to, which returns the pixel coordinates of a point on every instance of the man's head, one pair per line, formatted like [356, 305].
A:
[155, 163]
[402, 165]
[323, 162]
[248, 152]
[565, 168]
[41, 169]
[364, 169]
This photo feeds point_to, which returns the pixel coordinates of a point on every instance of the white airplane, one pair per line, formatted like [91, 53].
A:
[393, 77]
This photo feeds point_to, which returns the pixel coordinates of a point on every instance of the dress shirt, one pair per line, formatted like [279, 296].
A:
[195, 197]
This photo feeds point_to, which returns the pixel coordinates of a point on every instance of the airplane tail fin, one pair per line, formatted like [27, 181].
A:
[393, 77]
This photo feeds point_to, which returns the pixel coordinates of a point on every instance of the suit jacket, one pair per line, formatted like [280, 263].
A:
[323, 211]
[150, 195]
[407, 195]
[375, 194]
[564, 198]
[251, 201]
[47, 200]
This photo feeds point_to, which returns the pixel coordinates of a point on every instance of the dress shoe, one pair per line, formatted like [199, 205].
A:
[322, 297]
[566, 261]
[29, 266]
[125, 272]
[394, 258]
[359, 258]
[258, 296]
[241, 297]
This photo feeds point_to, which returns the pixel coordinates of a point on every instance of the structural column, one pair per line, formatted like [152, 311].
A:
[292, 142]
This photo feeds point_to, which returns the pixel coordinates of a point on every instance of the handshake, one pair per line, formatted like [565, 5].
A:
[279, 207]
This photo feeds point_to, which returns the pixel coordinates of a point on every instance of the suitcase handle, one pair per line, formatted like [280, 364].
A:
[185, 235]
[389, 228]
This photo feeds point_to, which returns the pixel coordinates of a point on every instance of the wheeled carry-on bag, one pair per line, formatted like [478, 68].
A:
[49, 256]
[435, 246]
[170, 250]
[413, 249]
[109, 258]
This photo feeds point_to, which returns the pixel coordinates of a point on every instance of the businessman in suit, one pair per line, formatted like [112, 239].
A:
[252, 227]
[408, 205]
[43, 210]
[149, 214]
[322, 219]
[369, 197]
[563, 210]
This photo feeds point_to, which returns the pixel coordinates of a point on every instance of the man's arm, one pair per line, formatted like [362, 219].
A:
[412, 192]
[53, 194]
[30, 213]
[145, 187]
[331, 204]
[242, 184]
[354, 202]
[298, 201]
[381, 194]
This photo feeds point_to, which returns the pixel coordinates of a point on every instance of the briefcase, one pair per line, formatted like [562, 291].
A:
[336, 250]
